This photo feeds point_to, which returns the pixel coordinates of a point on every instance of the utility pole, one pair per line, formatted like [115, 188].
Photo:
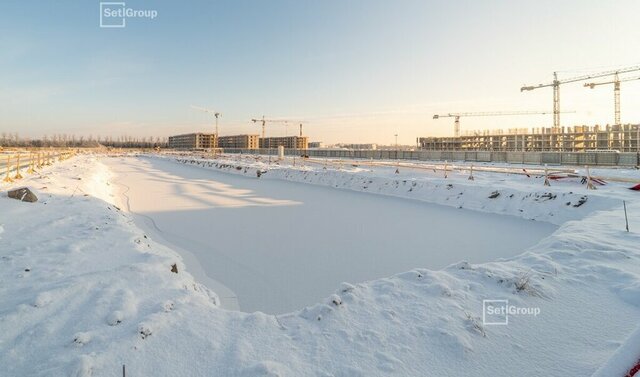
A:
[396, 135]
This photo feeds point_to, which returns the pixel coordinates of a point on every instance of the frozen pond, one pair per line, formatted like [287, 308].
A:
[279, 246]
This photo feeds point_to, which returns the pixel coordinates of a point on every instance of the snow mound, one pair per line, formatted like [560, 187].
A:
[99, 294]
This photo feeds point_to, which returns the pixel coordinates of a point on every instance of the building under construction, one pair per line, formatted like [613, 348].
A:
[196, 140]
[622, 138]
[205, 141]
[238, 141]
[289, 142]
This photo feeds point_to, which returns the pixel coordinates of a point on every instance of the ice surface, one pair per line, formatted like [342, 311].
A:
[281, 246]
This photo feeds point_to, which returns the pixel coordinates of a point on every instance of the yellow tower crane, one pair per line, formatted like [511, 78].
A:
[616, 92]
[457, 116]
[212, 112]
[216, 115]
[264, 121]
[556, 87]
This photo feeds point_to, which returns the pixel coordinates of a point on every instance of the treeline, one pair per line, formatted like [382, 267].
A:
[73, 141]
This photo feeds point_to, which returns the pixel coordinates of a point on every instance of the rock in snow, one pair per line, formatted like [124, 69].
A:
[23, 194]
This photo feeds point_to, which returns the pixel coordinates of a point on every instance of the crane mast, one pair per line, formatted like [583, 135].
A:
[556, 87]
[616, 93]
[616, 99]
[212, 112]
[264, 121]
[556, 101]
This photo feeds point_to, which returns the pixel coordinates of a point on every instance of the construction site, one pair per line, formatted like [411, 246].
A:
[615, 137]
[207, 141]
[619, 138]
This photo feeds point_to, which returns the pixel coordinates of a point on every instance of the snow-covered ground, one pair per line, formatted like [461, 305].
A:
[280, 246]
[83, 290]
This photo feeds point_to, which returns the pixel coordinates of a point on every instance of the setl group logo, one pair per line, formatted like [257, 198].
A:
[115, 14]
[497, 312]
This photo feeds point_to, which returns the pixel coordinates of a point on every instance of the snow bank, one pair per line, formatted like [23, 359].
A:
[77, 277]
[82, 291]
[624, 359]
[494, 193]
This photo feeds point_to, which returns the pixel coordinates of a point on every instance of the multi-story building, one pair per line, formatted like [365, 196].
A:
[289, 142]
[238, 141]
[623, 138]
[197, 140]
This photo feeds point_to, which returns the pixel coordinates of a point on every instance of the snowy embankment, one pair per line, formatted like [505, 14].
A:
[516, 195]
[83, 291]
[625, 361]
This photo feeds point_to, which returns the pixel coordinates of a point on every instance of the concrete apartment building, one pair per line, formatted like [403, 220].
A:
[622, 138]
[239, 141]
[197, 140]
[289, 142]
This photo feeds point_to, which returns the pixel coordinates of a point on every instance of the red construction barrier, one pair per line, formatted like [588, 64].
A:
[634, 370]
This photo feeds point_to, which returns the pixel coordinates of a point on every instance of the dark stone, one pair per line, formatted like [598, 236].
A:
[23, 194]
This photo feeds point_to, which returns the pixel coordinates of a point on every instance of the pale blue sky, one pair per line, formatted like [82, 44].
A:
[356, 70]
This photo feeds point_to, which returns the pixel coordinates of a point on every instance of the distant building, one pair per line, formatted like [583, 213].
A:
[359, 146]
[316, 144]
[238, 141]
[196, 140]
[289, 142]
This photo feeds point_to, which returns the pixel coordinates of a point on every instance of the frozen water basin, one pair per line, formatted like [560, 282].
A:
[278, 246]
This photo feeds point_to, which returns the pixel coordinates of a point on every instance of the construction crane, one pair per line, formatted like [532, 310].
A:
[556, 87]
[212, 112]
[457, 116]
[264, 121]
[286, 125]
[616, 92]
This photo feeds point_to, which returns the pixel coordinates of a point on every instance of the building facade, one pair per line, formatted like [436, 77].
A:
[622, 138]
[195, 140]
[238, 141]
[289, 142]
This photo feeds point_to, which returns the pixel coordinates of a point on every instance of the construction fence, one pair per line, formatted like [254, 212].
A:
[13, 164]
[533, 158]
